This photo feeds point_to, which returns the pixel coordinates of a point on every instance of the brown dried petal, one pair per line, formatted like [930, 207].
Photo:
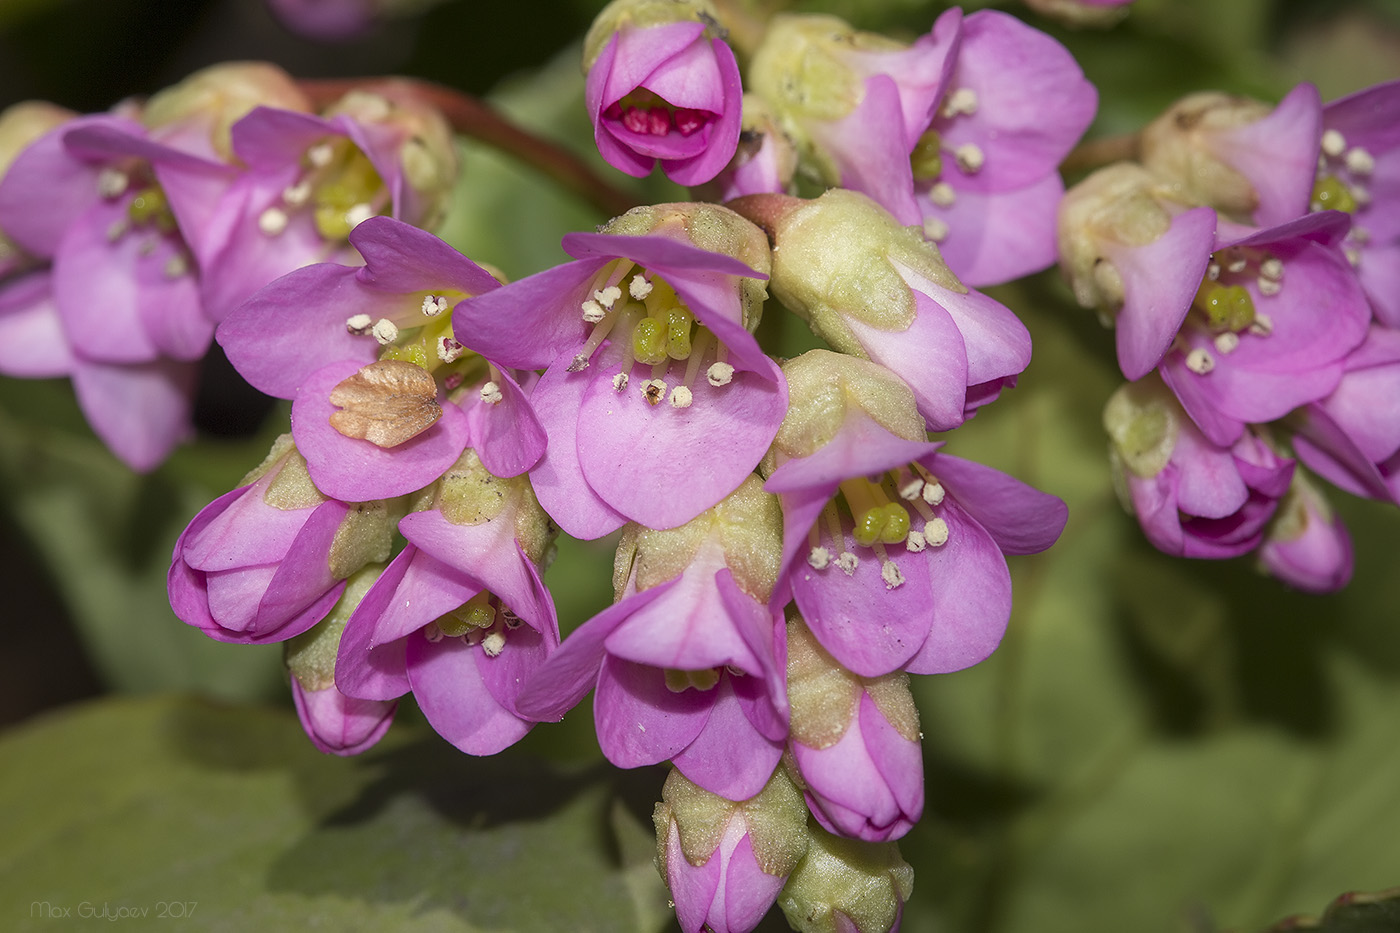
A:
[386, 403]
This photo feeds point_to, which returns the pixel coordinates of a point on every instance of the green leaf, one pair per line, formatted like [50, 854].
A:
[229, 816]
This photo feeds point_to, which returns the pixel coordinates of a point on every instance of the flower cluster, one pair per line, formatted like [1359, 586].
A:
[1248, 261]
[791, 544]
[126, 237]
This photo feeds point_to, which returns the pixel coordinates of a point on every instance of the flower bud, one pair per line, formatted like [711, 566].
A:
[855, 743]
[427, 153]
[662, 86]
[847, 886]
[1247, 160]
[826, 389]
[1192, 497]
[267, 561]
[765, 160]
[336, 724]
[1307, 545]
[1135, 254]
[726, 861]
[873, 288]
[199, 112]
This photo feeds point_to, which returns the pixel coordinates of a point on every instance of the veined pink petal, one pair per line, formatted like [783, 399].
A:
[640, 720]
[1278, 155]
[449, 689]
[729, 757]
[998, 236]
[140, 411]
[1020, 518]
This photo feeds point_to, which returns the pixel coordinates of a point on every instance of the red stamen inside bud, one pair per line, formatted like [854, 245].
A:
[688, 122]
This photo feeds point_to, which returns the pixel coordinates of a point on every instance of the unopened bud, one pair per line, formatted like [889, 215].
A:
[212, 99]
[845, 884]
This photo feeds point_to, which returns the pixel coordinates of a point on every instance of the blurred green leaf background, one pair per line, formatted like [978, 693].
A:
[1158, 746]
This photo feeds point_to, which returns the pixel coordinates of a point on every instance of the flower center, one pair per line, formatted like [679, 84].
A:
[481, 620]
[1225, 304]
[649, 114]
[148, 212]
[875, 515]
[338, 184]
[1344, 174]
[654, 327]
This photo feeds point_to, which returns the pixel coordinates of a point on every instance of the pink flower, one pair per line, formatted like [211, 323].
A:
[338, 724]
[267, 561]
[460, 617]
[667, 92]
[657, 400]
[1192, 497]
[1307, 545]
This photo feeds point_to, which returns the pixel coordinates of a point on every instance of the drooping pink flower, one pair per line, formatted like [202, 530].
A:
[1192, 497]
[855, 742]
[338, 724]
[894, 550]
[460, 617]
[1307, 545]
[665, 92]
[688, 664]
[267, 561]
[325, 332]
[725, 861]
[657, 400]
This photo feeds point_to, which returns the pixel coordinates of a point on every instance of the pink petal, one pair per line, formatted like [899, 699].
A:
[454, 697]
[141, 411]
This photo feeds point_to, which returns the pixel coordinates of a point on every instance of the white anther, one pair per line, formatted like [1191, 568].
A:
[1199, 361]
[1272, 268]
[1359, 161]
[719, 374]
[492, 644]
[942, 194]
[620, 381]
[847, 563]
[819, 558]
[358, 215]
[681, 397]
[513, 621]
[116, 230]
[147, 247]
[935, 229]
[1353, 256]
[1213, 271]
[936, 532]
[431, 633]
[608, 296]
[1262, 326]
[639, 287]
[653, 390]
[272, 221]
[970, 158]
[433, 305]
[915, 542]
[1227, 342]
[1333, 143]
[891, 575]
[933, 493]
[296, 195]
[359, 324]
[1361, 195]
[112, 183]
[175, 267]
[910, 490]
[593, 312]
[1360, 235]
[385, 331]
[320, 155]
[449, 349]
[963, 100]
[1269, 287]
[1238, 265]
[491, 394]
[578, 364]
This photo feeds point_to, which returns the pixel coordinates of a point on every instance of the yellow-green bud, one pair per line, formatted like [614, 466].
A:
[639, 14]
[212, 99]
[865, 881]
[826, 388]
[1176, 146]
[776, 818]
[310, 656]
[1143, 420]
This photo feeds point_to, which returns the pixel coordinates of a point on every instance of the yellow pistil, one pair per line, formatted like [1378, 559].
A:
[1226, 307]
[702, 680]
[927, 158]
[150, 207]
[476, 613]
[1330, 194]
[344, 188]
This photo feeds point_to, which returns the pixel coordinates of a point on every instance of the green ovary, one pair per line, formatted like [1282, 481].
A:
[1330, 194]
[888, 524]
[477, 613]
[150, 207]
[927, 159]
[347, 182]
[1226, 307]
